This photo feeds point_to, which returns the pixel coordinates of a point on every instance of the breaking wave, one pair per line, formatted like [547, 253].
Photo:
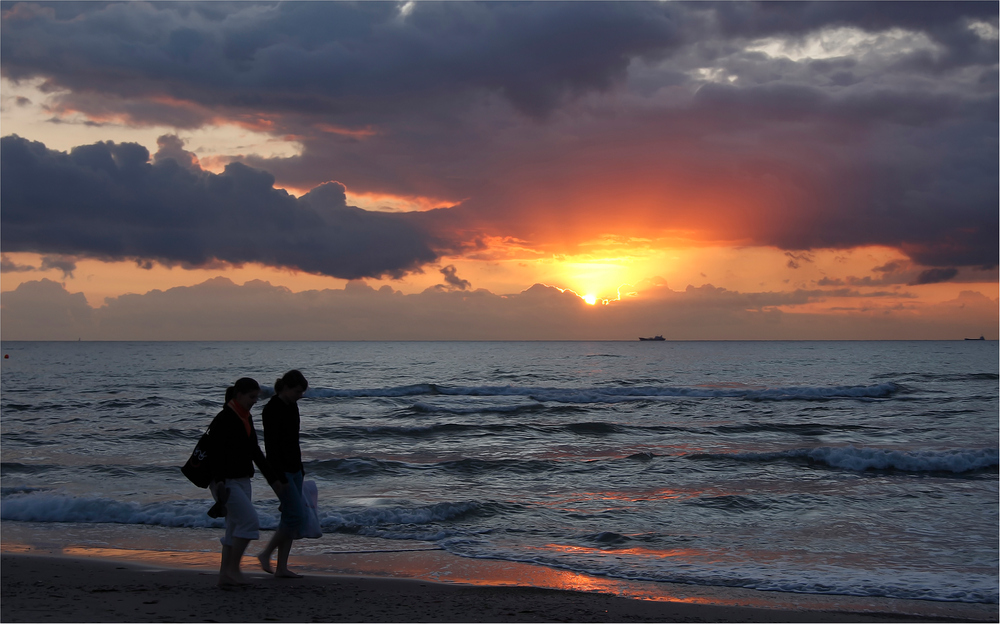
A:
[35, 505]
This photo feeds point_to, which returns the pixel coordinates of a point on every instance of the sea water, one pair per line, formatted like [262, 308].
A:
[855, 468]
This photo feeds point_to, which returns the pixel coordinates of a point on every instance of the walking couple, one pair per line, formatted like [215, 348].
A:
[234, 450]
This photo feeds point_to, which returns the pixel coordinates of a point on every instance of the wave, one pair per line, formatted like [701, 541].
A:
[366, 466]
[36, 505]
[732, 502]
[945, 377]
[388, 431]
[580, 428]
[355, 467]
[376, 517]
[159, 471]
[862, 459]
[607, 538]
[416, 431]
[606, 560]
[47, 506]
[507, 410]
[804, 429]
[617, 394]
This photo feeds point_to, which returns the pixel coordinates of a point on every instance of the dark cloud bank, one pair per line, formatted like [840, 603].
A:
[109, 201]
[497, 104]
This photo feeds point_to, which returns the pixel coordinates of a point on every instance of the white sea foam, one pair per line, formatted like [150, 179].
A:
[48, 506]
[382, 516]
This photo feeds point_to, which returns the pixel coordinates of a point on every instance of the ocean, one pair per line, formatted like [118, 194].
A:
[845, 468]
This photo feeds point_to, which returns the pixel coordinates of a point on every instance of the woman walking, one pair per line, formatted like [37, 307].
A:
[281, 441]
[234, 451]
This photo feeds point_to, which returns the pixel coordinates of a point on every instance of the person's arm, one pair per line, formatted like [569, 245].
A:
[270, 473]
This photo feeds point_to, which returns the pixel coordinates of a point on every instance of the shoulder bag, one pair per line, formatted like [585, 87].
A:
[197, 468]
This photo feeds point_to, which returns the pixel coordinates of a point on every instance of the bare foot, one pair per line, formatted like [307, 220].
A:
[286, 574]
[227, 581]
[265, 563]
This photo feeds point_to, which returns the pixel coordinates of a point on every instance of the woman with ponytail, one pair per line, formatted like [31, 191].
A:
[281, 441]
[234, 452]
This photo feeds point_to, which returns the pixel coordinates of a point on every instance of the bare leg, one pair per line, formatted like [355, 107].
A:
[227, 553]
[265, 555]
[229, 573]
[284, 547]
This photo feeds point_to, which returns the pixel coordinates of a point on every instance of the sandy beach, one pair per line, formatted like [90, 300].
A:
[47, 588]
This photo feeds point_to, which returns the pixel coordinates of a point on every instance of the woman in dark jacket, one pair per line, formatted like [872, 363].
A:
[281, 440]
[234, 451]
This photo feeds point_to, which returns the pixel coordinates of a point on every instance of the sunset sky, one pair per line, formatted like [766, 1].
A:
[465, 170]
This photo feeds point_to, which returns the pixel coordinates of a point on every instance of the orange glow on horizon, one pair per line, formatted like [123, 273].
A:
[849, 286]
[382, 202]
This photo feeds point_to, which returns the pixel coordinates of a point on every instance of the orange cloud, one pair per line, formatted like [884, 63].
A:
[218, 309]
[361, 133]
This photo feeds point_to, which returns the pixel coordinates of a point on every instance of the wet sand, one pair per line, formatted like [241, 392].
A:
[46, 588]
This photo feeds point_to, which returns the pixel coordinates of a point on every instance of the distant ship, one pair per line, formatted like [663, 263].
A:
[654, 338]
[980, 338]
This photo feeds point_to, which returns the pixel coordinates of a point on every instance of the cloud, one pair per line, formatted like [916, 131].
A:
[794, 259]
[306, 57]
[44, 310]
[60, 263]
[66, 264]
[902, 272]
[934, 276]
[452, 280]
[218, 309]
[9, 266]
[108, 201]
[795, 125]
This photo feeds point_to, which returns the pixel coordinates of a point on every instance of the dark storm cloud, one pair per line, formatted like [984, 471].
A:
[323, 57]
[945, 22]
[494, 103]
[932, 194]
[108, 201]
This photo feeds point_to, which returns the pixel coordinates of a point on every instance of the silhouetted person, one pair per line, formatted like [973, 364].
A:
[234, 451]
[281, 441]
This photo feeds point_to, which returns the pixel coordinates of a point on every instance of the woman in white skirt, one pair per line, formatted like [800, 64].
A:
[234, 450]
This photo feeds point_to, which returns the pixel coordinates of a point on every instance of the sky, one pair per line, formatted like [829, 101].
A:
[499, 171]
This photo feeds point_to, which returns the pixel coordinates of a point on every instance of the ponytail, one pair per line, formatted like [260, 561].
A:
[243, 385]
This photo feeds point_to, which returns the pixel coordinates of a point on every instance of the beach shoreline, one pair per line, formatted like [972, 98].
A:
[118, 585]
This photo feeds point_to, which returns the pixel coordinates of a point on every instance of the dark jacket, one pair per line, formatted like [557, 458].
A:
[281, 435]
[233, 453]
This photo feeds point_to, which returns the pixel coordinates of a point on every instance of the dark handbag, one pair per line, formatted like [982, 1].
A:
[218, 510]
[197, 468]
